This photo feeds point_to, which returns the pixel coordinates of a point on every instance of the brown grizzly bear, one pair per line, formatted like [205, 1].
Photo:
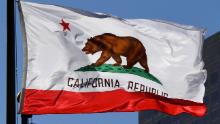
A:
[116, 46]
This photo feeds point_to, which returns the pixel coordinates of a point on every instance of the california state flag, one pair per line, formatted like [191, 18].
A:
[83, 62]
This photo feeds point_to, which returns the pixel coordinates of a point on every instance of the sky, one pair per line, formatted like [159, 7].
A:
[199, 13]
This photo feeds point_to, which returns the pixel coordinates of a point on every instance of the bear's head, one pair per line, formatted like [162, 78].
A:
[91, 46]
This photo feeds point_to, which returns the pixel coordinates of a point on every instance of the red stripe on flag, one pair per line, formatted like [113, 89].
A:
[65, 102]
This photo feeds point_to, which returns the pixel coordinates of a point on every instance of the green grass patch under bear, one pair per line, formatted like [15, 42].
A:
[120, 69]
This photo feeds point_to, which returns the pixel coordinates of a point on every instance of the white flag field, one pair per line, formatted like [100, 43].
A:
[85, 62]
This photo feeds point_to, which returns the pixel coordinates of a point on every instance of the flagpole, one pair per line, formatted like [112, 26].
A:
[10, 93]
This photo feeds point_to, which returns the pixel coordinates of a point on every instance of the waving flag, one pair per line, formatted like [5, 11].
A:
[83, 62]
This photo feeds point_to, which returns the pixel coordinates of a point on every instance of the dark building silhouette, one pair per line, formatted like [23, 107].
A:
[211, 57]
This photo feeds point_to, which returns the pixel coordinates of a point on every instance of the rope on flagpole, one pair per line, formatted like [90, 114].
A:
[16, 63]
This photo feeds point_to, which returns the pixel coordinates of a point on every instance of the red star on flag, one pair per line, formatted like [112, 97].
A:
[65, 25]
